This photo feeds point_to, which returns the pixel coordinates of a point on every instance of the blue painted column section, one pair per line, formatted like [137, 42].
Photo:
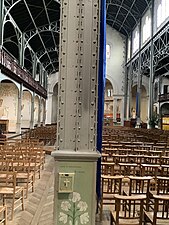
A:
[101, 85]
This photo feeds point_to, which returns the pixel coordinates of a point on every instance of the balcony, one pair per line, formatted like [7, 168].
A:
[163, 97]
[11, 68]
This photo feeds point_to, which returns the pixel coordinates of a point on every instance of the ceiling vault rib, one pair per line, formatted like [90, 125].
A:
[47, 15]
[127, 15]
[117, 13]
[37, 30]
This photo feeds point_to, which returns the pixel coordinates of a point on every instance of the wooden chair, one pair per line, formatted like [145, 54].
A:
[160, 215]
[107, 168]
[9, 190]
[127, 169]
[24, 174]
[151, 170]
[110, 185]
[3, 214]
[139, 186]
[128, 211]
[162, 187]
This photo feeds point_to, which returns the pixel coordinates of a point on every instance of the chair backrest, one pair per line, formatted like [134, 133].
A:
[129, 208]
[139, 185]
[161, 208]
[111, 184]
[8, 178]
[107, 168]
[162, 185]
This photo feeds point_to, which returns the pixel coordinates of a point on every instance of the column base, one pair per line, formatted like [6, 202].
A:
[82, 193]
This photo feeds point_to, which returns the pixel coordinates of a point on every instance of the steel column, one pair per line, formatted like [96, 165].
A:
[32, 111]
[151, 79]
[22, 50]
[139, 82]
[18, 123]
[1, 22]
[126, 87]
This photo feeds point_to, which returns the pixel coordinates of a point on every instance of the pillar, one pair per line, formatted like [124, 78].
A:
[18, 123]
[44, 113]
[125, 87]
[130, 90]
[49, 108]
[151, 78]
[1, 22]
[40, 111]
[130, 82]
[22, 50]
[114, 109]
[139, 82]
[32, 111]
[76, 154]
[34, 65]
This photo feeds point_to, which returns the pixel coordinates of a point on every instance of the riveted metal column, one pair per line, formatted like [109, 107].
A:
[34, 65]
[126, 87]
[40, 111]
[1, 22]
[114, 109]
[130, 77]
[78, 75]
[151, 79]
[18, 123]
[77, 106]
[32, 111]
[22, 50]
[45, 79]
[139, 82]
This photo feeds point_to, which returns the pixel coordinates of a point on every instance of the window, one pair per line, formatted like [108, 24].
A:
[109, 92]
[128, 51]
[165, 89]
[108, 51]
[162, 12]
[147, 29]
[136, 41]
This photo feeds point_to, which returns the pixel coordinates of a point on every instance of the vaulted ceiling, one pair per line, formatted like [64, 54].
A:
[39, 21]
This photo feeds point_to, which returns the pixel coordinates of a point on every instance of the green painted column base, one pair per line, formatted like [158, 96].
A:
[78, 205]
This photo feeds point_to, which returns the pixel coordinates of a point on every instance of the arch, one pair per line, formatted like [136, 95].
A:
[28, 62]
[37, 32]
[113, 82]
[165, 109]
[9, 103]
[26, 109]
[118, 23]
[40, 54]
[143, 103]
[108, 99]
[11, 43]
[127, 10]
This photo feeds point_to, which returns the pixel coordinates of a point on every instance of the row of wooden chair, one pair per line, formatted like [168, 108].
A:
[130, 210]
[138, 186]
[47, 134]
[20, 161]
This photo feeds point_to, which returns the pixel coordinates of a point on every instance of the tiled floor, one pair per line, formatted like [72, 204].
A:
[39, 205]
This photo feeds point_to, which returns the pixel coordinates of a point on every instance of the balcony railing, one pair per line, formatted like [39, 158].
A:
[9, 65]
[164, 97]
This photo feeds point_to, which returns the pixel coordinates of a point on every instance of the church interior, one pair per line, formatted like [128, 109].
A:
[84, 112]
